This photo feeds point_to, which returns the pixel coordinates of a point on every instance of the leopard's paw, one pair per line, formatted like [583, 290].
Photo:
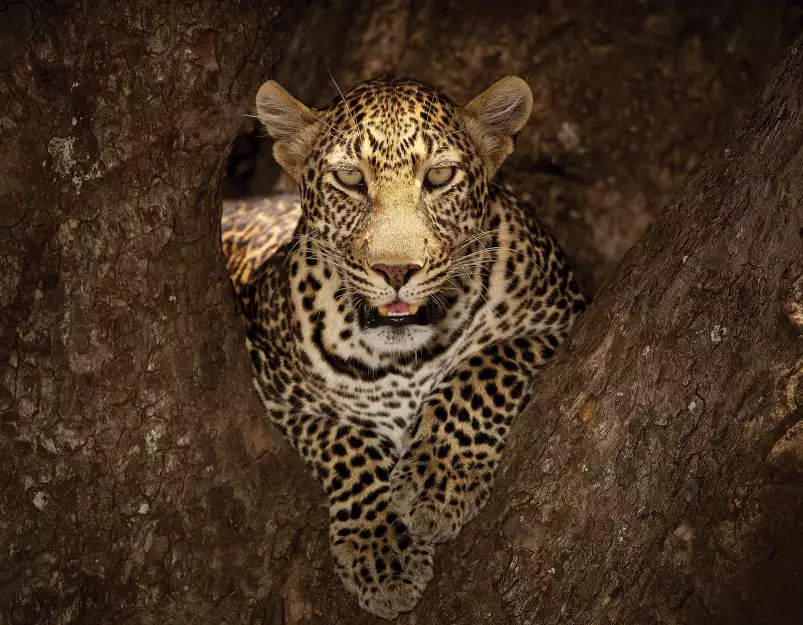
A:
[434, 499]
[384, 566]
[400, 586]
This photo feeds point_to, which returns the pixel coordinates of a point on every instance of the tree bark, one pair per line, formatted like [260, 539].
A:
[126, 484]
[657, 478]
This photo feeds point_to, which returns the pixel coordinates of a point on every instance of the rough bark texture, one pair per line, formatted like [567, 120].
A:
[657, 479]
[628, 94]
[126, 484]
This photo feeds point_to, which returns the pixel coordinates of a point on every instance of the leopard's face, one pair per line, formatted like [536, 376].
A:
[390, 193]
[394, 180]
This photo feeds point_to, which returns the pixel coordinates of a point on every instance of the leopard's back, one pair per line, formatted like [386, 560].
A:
[253, 230]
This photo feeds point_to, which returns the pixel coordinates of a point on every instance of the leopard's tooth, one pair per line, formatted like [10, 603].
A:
[383, 310]
[411, 310]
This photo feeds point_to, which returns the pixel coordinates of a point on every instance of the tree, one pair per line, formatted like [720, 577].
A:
[126, 484]
[656, 478]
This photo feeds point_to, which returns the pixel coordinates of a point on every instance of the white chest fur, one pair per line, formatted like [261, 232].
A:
[391, 403]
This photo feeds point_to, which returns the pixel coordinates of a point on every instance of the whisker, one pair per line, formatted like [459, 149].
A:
[348, 108]
[337, 132]
[299, 238]
[475, 262]
[446, 136]
[501, 249]
[475, 238]
[429, 110]
[480, 293]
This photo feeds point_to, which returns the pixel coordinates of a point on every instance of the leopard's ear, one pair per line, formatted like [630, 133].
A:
[495, 116]
[292, 126]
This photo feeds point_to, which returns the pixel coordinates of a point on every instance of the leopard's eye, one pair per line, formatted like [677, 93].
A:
[349, 177]
[439, 176]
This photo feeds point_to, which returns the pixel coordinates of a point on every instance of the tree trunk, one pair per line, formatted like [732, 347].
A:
[128, 493]
[658, 478]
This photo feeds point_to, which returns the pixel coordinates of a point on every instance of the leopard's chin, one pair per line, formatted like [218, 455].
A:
[399, 328]
[399, 339]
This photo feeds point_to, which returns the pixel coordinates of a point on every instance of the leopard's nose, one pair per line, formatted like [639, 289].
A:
[396, 275]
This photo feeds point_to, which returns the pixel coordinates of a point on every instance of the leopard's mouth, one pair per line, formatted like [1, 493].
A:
[400, 313]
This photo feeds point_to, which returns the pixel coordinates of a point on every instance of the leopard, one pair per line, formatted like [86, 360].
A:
[396, 310]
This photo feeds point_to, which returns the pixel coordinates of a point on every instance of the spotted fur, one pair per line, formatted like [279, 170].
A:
[403, 427]
[252, 232]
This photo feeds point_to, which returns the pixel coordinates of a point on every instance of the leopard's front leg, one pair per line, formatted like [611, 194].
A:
[376, 557]
[445, 477]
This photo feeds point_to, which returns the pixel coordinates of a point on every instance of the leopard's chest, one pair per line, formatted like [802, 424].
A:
[388, 405]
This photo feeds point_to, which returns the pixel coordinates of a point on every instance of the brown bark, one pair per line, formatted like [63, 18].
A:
[657, 478]
[126, 485]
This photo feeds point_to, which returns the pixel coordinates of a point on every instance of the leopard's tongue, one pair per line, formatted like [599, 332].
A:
[399, 314]
[397, 309]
